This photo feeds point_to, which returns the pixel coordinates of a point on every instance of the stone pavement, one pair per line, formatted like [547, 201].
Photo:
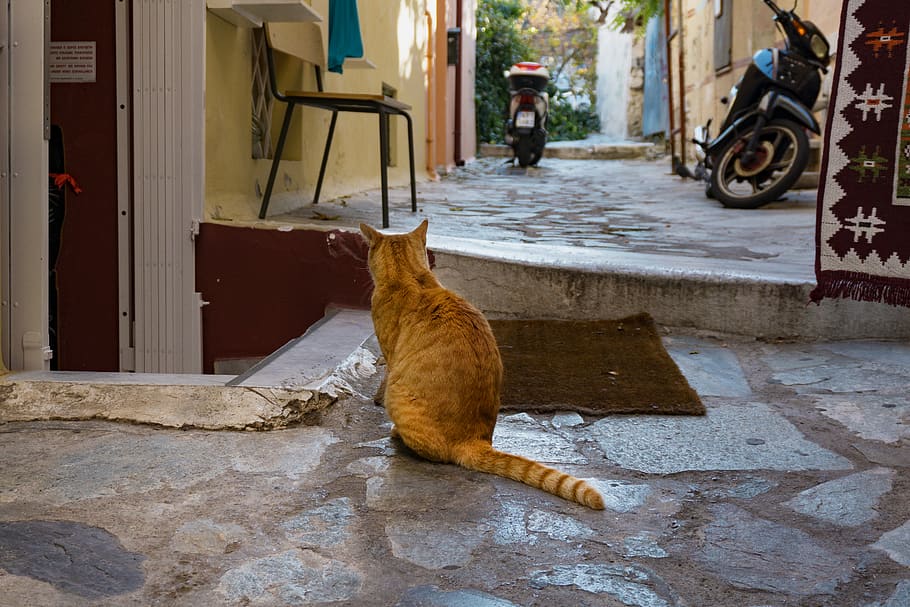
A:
[609, 207]
[791, 491]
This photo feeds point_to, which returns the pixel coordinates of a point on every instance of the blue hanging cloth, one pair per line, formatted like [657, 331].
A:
[344, 33]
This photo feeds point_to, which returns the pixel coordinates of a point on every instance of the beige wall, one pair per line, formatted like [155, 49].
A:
[443, 136]
[753, 29]
[469, 70]
[447, 147]
[395, 39]
[826, 15]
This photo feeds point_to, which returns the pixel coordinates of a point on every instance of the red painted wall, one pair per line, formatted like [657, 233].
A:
[266, 287]
[87, 266]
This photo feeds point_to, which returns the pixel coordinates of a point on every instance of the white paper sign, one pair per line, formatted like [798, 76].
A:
[72, 62]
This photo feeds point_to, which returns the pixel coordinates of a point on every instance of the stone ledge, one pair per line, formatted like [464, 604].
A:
[203, 407]
[307, 374]
[572, 150]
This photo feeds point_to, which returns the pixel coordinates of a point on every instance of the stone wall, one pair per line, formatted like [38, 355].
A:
[636, 89]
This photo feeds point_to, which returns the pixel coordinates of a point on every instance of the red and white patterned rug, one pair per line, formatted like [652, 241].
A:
[863, 225]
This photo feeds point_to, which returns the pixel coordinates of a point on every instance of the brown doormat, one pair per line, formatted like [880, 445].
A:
[592, 367]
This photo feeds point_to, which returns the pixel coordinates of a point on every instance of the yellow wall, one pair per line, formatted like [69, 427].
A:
[395, 40]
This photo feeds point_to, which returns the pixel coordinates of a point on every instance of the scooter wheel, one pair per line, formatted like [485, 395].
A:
[782, 155]
[524, 153]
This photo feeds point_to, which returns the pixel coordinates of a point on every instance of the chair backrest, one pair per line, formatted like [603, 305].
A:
[301, 40]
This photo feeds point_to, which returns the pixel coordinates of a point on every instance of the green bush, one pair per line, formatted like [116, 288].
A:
[567, 123]
[504, 37]
[499, 45]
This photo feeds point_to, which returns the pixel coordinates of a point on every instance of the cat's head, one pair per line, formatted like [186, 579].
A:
[393, 254]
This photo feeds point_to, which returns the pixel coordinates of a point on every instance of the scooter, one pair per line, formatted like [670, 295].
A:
[762, 148]
[529, 106]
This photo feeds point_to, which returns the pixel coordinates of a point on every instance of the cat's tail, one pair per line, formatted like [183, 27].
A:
[481, 456]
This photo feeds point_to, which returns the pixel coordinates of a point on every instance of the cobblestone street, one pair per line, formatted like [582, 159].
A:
[790, 492]
[787, 493]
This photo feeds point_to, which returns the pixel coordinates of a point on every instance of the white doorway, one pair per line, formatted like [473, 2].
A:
[24, 186]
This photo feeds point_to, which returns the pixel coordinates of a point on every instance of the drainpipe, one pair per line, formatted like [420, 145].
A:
[431, 100]
[671, 113]
[459, 161]
[682, 85]
[680, 158]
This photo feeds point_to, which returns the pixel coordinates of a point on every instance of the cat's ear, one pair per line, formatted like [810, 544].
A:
[421, 230]
[369, 233]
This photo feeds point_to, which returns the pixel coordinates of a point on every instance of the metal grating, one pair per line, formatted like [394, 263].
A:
[262, 97]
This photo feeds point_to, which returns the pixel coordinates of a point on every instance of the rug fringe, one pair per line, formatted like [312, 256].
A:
[860, 288]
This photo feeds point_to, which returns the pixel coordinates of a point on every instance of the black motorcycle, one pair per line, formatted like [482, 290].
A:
[762, 148]
[529, 105]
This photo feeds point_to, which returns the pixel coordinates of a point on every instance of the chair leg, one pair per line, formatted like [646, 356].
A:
[384, 165]
[279, 148]
[325, 156]
[411, 161]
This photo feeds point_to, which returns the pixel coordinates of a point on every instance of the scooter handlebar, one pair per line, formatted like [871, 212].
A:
[777, 10]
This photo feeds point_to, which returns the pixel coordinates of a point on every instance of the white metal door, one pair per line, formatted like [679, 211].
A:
[24, 184]
[168, 118]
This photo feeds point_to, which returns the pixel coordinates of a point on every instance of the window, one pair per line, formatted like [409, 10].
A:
[262, 98]
[723, 34]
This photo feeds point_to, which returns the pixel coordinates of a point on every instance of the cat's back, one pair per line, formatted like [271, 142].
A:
[447, 352]
[445, 316]
[413, 314]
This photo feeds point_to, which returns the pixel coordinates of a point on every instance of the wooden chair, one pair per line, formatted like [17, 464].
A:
[304, 41]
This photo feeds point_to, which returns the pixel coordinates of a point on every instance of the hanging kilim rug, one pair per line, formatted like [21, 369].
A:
[863, 224]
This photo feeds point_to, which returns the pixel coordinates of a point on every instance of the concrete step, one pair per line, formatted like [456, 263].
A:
[306, 375]
[120, 379]
[582, 150]
[325, 353]
[770, 301]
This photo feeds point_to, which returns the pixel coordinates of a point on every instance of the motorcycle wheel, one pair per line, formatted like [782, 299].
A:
[781, 156]
[524, 153]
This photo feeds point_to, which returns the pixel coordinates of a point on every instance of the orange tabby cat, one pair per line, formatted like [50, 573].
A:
[444, 372]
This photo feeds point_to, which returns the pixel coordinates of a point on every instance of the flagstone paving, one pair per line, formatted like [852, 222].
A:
[630, 206]
[777, 497]
[603, 205]
[790, 492]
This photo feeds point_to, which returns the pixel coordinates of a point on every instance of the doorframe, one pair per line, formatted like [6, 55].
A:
[25, 31]
[5, 269]
[125, 309]
[24, 116]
